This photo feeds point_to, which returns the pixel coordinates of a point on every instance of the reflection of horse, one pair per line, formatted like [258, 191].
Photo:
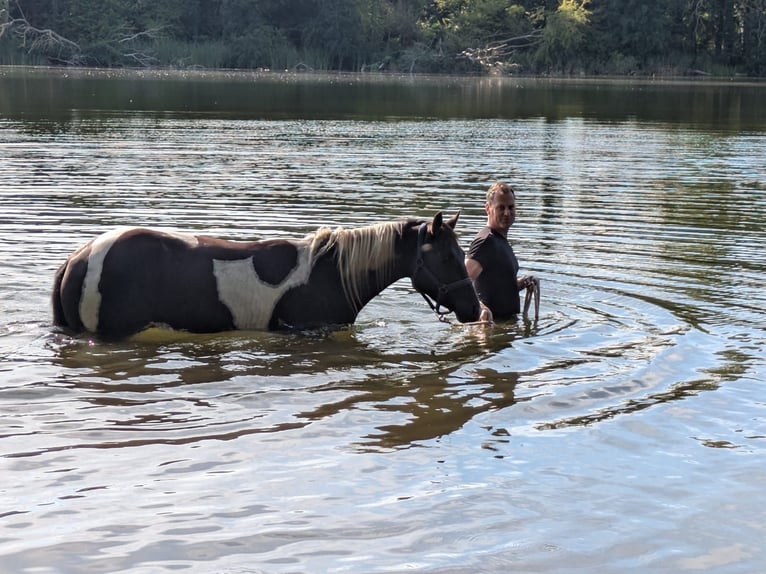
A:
[128, 279]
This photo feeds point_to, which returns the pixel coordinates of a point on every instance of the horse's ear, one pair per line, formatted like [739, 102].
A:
[452, 221]
[437, 223]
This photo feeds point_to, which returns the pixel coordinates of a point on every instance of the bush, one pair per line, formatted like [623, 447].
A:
[180, 54]
[263, 47]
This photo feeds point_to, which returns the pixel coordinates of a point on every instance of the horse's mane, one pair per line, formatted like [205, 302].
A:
[359, 251]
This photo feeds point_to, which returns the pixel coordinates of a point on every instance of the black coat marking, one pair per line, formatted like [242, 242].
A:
[272, 260]
[182, 286]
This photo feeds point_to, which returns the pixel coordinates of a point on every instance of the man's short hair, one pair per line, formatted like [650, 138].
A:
[499, 187]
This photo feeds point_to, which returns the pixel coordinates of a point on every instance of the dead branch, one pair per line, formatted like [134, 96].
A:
[495, 53]
[61, 50]
[33, 39]
[150, 34]
[143, 59]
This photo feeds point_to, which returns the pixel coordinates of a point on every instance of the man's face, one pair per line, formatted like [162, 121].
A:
[501, 213]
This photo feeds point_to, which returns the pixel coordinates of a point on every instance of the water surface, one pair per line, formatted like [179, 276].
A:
[624, 430]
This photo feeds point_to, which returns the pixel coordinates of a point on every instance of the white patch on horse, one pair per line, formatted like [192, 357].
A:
[250, 300]
[90, 296]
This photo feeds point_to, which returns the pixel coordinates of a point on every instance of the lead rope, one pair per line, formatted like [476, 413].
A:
[441, 315]
[533, 292]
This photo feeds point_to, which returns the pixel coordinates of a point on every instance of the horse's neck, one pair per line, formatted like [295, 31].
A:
[377, 281]
[374, 281]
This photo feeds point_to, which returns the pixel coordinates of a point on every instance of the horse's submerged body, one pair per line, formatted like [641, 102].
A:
[129, 279]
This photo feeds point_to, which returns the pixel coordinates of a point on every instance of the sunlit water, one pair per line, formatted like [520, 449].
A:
[624, 430]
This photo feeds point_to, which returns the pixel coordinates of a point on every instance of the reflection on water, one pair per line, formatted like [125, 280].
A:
[68, 95]
[602, 436]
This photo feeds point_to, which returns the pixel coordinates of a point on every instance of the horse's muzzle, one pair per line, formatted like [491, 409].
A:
[465, 304]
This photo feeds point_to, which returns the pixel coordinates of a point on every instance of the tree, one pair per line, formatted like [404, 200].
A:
[753, 35]
[491, 33]
[496, 36]
[564, 35]
[34, 39]
[631, 36]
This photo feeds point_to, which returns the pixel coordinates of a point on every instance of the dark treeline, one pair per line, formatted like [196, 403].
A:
[667, 37]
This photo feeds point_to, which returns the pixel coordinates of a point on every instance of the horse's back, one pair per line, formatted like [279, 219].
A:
[131, 278]
[128, 278]
[156, 277]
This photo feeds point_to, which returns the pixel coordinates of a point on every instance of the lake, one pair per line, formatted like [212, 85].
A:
[624, 430]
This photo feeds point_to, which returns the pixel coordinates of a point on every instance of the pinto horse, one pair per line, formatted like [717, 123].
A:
[129, 279]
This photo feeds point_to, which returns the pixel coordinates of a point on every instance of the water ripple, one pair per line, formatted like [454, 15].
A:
[386, 443]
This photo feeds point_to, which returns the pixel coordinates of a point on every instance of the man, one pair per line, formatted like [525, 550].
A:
[491, 262]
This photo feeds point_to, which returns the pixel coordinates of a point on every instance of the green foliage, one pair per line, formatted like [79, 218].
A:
[336, 30]
[261, 47]
[563, 36]
[497, 36]
[203, 54]
[488, 20]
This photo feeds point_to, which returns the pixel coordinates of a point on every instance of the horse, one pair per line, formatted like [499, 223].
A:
[132, 278]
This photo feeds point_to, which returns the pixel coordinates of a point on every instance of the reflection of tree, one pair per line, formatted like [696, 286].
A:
[141, 384]
[431, 399]
[735, 364]
[677, 392]
[430, 404]
[160, 359]
[441, 409]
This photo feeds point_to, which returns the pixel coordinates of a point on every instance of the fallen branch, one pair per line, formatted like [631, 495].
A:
[144, 59]
[63, 51]
[38, 39]
[494, 53]
[150, 34]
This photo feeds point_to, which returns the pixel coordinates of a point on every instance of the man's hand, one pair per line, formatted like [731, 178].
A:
[526, 282]
[486, 315]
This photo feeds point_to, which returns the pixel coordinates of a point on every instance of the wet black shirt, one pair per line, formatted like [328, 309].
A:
[496, 285]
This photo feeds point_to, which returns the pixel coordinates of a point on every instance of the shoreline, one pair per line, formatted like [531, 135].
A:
[384, 77]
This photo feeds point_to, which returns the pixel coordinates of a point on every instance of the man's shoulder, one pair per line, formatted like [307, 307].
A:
[483, 234]
[479, 243]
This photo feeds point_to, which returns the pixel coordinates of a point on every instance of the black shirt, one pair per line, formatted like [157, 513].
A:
[496, 285]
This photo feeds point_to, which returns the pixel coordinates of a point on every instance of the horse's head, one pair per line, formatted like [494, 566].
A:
[439, 271]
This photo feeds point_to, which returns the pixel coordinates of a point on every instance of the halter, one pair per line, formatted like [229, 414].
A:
[443, 289]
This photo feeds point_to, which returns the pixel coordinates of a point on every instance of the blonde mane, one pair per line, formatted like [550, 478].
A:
[359, 251]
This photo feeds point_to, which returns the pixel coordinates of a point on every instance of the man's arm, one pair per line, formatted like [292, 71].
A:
[474, 269]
